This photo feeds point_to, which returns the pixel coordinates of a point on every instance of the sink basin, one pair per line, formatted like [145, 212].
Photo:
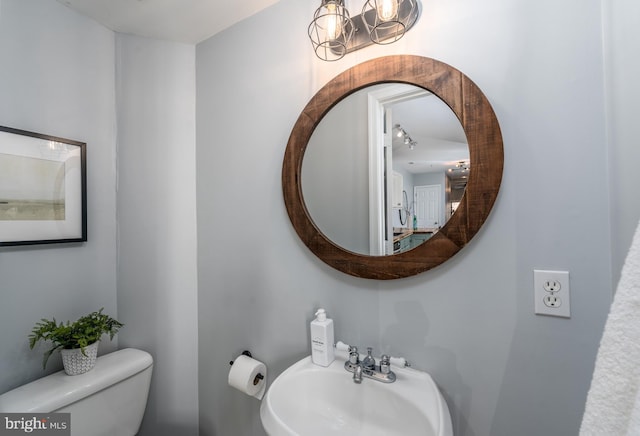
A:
[310, 400]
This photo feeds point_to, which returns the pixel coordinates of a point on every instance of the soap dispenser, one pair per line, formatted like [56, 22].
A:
[322, 339]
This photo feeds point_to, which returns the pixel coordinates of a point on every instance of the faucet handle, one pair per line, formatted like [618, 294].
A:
[354, 356]
[385, 364]
[399, 361]
[341, 346]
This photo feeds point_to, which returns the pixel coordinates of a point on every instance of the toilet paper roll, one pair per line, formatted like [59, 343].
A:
[248, 375]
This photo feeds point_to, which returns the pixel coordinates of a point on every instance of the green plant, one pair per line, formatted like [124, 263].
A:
[79, 334]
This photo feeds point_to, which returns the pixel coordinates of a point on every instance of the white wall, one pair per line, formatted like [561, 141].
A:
[157, 282]
[57, 78]
[470, 322]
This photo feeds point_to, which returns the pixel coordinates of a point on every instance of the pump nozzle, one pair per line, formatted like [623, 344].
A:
[321, 315]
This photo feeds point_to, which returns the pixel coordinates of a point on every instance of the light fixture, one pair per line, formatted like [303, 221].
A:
[331, 30]
[461, 167]
[399, 131]
[406, 139]
[387, 21]
[333, 33]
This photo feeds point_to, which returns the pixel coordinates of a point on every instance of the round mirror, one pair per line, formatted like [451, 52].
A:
[358, 175]
[380, 212]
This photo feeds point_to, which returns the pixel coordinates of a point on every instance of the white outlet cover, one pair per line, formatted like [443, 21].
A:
[541, 279]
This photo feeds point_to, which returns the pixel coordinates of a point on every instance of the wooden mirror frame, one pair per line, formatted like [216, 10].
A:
[484, 139]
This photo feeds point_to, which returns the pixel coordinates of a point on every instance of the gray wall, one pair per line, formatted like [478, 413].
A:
[57, 78]
[157, 282]
[622, 67]
[59, 75]
[470, 322]
[503, 370]
[335, 174]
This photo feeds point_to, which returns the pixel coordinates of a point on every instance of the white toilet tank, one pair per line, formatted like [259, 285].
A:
[109, 400]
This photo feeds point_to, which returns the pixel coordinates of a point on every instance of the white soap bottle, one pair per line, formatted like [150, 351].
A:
[322, 339]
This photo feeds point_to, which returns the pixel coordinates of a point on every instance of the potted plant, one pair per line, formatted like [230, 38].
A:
[77, 341]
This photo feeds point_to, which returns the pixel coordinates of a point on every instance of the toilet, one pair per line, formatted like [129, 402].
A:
[109, 400]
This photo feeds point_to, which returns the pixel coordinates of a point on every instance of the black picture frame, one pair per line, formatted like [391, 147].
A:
[43, 189]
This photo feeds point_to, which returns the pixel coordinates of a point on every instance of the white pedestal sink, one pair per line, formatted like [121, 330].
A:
[310, 400]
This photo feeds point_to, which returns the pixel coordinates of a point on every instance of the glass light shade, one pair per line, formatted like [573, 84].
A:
[331, 30]
[387, 20]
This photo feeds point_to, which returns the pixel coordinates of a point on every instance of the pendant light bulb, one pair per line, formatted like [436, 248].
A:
[386, 9]
[334, 22]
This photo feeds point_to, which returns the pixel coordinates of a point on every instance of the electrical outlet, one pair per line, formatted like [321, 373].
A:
[551, 293]
[551, 285]
[552, 301]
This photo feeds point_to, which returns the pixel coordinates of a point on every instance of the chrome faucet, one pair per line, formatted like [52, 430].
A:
[367, 367]
[357, 374]
[368, 362]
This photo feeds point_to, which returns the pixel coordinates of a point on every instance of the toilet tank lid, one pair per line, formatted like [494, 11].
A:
[58, 390]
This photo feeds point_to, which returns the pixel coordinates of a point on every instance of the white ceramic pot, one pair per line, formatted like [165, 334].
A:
[76, 363]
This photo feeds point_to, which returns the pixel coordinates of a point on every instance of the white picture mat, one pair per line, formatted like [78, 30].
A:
[42, 230]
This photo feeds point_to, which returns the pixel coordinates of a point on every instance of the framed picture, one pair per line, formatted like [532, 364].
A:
[43, 194]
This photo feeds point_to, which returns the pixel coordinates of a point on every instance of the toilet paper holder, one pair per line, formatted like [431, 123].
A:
[259, 376]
